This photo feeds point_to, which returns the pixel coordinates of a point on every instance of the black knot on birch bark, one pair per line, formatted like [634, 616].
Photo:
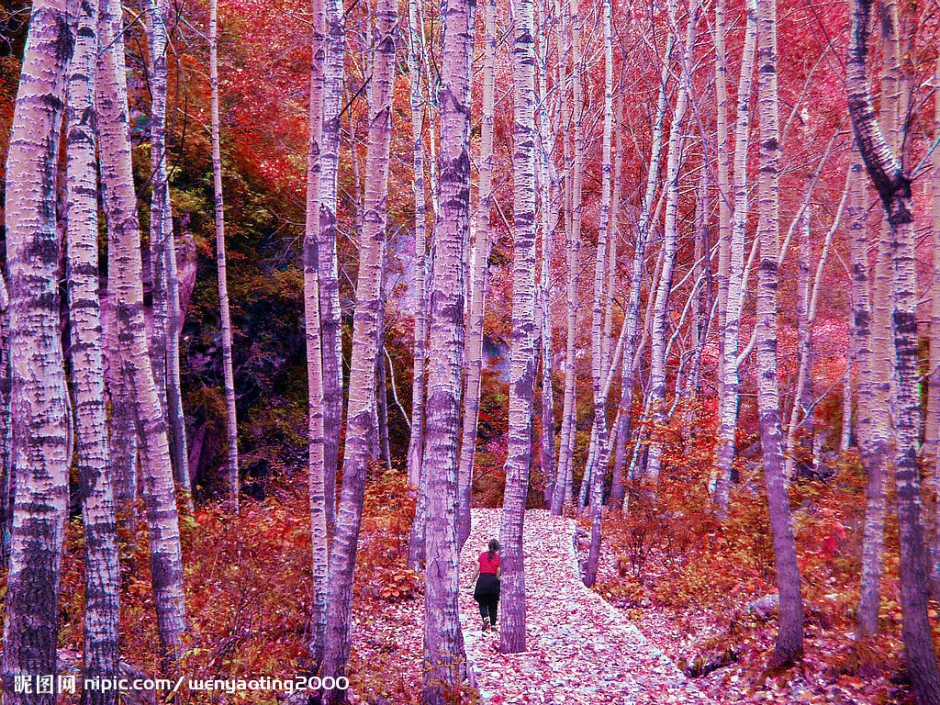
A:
[65, 41]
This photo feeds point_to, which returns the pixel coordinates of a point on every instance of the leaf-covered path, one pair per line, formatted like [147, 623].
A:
[580, 648]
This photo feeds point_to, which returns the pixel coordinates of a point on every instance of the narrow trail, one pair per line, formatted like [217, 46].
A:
[580, 648]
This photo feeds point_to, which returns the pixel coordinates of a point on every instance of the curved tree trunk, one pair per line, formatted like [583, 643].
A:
[125, 298]
[38, 396]
[894, 189]
[366, 351]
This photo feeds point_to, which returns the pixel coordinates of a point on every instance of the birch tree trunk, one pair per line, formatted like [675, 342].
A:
[789, 644]
[366, 350]
[660, 319]
[894, 189]
[331, 323]
[316, 468]
[479, 278]
[126, 310]
[39, 402]
[231, 423]
[598, 469]
[416, 549]
[443, 642]
[731, 382]
[6, 426]
[548, 187]
[562, 491]
[873, 418]
[883, 403]
[512, 637]
[164, 344]
[932, 450]
[632, 323]
[102, 565]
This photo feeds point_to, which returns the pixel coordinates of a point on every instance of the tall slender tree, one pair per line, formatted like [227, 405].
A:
[479, 276]
[443, 643]
[137, 389]
[894, 189]
[598, 472]
[228, 370]
[330, 311]
[366, 349]
[573, 183]
[102, 566]
[164, 343]
[660, 322]
[316, 466]
[730, 379]
[39, 402]
[789, 644]
[523, 355]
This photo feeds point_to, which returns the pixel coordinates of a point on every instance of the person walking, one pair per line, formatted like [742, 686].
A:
[486, 578]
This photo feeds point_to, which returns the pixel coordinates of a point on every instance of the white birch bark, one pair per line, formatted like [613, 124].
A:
[39, 404]
[416, 440]
[731, 382]
[789, 642]
[366, 350]
[125, 308]
[479, 277]
[632, 323]
[330, 311]
[893, 185]
[660, 320]
[102, 566]
[523, 360]
[444, 657]
[316, 467]
[231, 422]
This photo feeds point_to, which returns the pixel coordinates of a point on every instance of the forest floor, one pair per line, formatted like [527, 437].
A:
[579, 648]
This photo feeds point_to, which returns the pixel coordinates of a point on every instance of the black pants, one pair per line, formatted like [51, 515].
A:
[487, 596]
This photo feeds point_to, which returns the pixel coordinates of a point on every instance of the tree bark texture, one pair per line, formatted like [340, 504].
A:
[479, 277]
[894, 189]
[443, 642]
[316, 467]
[331, 323]
[228, 371]
[367, 335]
[39, 402]
[731, 382]
[523, 356]
[125, 301]
[789, 644]
[102, 565]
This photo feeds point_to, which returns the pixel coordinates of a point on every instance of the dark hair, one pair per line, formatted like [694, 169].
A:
[494, 547]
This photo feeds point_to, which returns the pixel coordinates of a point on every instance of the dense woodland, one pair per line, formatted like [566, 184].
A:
[289, 287]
